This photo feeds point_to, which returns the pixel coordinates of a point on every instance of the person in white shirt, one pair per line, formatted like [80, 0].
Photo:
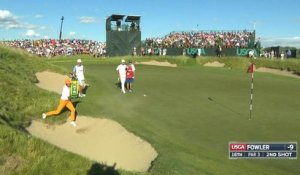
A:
[121, 71]
[65, 101]
[134, 51]
[282, 55]
[78, 70]
[199, 52]
[251, 53]
[164, 52]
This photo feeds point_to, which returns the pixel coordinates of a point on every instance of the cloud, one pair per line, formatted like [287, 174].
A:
[5, 14]
[72, 33]
[280, 41]
[38, 16]
[8, 20]
[43, 27]
[87, 19]
[11, 21]
[31, 33]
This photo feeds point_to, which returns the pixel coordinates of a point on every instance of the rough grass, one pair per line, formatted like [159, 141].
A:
[22, 101]
[292, 65]
[241, 63]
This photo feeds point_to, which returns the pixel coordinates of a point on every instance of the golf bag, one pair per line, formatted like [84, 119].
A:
[74, 87]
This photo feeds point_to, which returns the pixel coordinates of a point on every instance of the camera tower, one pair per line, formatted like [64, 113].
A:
[122, 36]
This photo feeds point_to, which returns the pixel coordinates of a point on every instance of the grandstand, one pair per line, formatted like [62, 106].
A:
[124, 37]
[232, 43]
[53, 47]
[204, 39]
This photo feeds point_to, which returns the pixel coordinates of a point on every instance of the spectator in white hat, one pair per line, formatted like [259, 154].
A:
[121, 71]
[78, 70]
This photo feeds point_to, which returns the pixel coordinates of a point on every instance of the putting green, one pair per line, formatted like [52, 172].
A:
[189, 114]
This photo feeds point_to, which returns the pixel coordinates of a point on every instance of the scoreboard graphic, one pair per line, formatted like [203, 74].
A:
[263, 150]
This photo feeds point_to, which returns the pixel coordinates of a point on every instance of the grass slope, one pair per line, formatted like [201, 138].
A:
[20, 102]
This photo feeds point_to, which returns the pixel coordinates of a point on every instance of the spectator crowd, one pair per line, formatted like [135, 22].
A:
[192, 39]
[52, 47]
[204, 39]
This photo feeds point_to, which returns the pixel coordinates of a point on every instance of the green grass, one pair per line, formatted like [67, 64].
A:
[230, 62]
[191, 132]
[20, 99]
[189, 114]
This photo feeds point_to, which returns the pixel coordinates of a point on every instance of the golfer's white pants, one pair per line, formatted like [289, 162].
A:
[123, 79]
[81, 82]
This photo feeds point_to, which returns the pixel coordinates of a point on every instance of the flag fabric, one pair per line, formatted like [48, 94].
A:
[251, 68]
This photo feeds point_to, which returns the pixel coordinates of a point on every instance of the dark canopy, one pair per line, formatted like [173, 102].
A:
[132, 19]
[115, 17]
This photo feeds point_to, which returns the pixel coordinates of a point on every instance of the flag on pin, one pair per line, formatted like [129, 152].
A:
[251, 68]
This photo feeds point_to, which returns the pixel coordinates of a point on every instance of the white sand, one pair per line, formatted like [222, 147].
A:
[157, 63]
[277, 72]
[51, 81]
[102, 140]
[214, 64]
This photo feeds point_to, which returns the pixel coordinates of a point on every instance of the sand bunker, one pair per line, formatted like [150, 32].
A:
[277, 72]
[214, 64]
[51, 81]
[157, 63]
[102, 140]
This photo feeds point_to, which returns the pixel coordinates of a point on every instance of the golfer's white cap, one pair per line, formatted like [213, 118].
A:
[122, 61]
[79, 61]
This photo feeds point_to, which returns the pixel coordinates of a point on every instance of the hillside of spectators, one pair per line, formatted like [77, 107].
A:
[192, 39]
[52, 47]
[204, 39]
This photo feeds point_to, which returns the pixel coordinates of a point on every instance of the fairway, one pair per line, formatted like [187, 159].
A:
[190, 113]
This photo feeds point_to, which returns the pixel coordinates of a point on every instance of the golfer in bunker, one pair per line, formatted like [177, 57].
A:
[65, 101]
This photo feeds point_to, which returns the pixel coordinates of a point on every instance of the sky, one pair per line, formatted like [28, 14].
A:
[276, 22]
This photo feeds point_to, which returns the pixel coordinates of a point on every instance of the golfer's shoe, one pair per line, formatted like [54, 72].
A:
[73, 124]
[44, 115]
[83, 95]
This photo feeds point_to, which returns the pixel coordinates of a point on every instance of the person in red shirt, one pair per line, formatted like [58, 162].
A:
[129, 76]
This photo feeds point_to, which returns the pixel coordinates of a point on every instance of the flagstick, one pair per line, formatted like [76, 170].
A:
[251, 96]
